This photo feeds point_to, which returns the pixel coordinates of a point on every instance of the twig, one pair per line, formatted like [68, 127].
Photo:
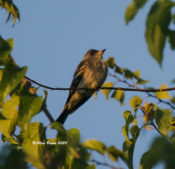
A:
[104, 164]
[103, 88]
[147, 92]
[152, 123]
[45, 110]
[161, 101]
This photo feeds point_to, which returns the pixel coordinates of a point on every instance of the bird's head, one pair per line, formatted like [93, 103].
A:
[95, 53]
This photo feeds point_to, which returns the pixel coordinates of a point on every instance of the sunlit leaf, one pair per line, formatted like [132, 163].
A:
[107, 91]
[34, 143]
[149, 110]
[163, 119]
[118, 95]
[135, 102]
[163, 95]
[137, 73]
[29, 107]
[128, 119]
[12, 76]
[95, 145]
[10, 113]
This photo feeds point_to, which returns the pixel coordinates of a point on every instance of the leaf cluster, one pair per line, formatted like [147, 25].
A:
[158, 22]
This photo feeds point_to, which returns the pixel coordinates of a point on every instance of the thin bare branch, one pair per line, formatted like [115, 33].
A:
[102, 88]
[104, 164]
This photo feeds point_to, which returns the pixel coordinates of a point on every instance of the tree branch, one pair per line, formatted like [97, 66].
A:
[104, 164]
[152, 123]
[147, 91]
[102, 88]
[46, 112]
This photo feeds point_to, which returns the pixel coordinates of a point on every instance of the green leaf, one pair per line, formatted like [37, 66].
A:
[1, 75]
[128, 119]
[12, 158]
[171, 39]
[110, 62]
[63, 154]
[118, 95]
[149, 110]
[12, 76]
[95, 145]
[163, 95]
[6, 47]
[107, 91]
[73, 136]
[137, 74]
[133, 9]
[34, 144]
[173, 100]
[162, 150]
[134, 130]
[128, 74]
[163, 119]
[29, 107]
[10, 113]
[128, 149]
[135, 102]
[11, 9]
[157, 24]
[115, 153]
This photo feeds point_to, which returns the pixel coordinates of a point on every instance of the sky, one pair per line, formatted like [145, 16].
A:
[52, 37]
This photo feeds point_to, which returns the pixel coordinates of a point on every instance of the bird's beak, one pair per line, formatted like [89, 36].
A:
[102, 51]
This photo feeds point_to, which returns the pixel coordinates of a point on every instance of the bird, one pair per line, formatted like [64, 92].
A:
[90, 73]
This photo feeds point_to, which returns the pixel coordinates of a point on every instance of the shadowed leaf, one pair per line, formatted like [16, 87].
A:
[157, 28]
[133, 9]
[11, 9]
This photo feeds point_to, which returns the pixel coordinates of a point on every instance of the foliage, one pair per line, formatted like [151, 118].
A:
[20, 102]
[157, 25]
[11, 8]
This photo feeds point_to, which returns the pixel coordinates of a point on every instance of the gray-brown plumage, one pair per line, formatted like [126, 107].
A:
[90, 73]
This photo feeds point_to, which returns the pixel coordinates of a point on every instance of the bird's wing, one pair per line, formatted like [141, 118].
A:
[78, 75]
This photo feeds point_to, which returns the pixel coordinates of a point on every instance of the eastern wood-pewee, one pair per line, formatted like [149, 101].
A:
[90, 73]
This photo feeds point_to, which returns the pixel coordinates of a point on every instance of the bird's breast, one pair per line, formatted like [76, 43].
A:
[94, 75]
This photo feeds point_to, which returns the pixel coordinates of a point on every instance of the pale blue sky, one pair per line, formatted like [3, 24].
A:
[53, 36]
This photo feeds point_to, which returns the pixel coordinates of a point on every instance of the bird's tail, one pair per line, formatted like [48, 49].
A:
[63, 116]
